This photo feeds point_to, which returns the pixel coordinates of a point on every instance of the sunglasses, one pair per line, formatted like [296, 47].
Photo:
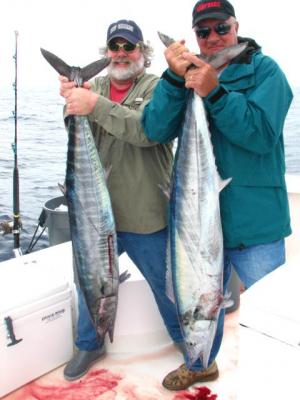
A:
[221, 29]
[127, 46]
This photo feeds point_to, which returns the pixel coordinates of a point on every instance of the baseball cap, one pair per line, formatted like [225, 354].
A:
[204, 9]
[125, 29]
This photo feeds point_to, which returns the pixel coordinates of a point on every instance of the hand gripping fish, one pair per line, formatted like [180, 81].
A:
[195, 246]
[90, 213]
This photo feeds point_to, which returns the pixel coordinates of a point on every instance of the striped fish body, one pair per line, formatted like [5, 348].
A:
[92, 226]
[195, 238]
[91, 218]
[195, 245]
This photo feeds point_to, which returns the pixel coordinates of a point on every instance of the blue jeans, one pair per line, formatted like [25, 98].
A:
[254, 262]
[148, 252]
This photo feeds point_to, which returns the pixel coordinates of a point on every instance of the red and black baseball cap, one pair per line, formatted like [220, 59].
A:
[205, 9]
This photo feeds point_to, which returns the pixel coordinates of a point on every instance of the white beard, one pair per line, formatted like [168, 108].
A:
[123, 74]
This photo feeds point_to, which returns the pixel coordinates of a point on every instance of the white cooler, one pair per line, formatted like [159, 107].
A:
[35, 322]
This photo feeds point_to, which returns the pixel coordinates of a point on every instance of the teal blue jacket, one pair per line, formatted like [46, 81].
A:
[246, 115]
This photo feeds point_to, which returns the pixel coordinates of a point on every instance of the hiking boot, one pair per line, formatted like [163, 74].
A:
[181, 378]
[81, 362]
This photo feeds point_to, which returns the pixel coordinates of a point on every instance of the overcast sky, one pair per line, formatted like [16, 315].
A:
[75, 29]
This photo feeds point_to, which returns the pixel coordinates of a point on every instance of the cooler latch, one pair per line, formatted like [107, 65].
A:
[10, 332]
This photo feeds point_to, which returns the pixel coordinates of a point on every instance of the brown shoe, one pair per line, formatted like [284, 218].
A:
[181, 378]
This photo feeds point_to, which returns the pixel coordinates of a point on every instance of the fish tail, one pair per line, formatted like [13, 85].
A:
[204, 358]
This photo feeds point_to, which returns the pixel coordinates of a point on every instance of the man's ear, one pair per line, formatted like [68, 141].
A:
[236, 27]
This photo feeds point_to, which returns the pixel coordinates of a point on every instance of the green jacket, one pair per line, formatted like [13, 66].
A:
[246, 114]
[137, 166]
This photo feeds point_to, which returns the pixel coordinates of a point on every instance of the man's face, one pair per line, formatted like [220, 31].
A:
[126, 62]
[214, 35]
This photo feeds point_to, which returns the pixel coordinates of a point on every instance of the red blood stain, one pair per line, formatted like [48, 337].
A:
[198, 393]
[94, 384]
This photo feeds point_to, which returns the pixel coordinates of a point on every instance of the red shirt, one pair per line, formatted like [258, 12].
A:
[117, 95]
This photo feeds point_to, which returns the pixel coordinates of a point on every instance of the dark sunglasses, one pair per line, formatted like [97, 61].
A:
[221, 29]
[127, 46]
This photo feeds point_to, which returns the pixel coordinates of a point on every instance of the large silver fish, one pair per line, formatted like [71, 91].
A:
[92, 224]
[195, 251]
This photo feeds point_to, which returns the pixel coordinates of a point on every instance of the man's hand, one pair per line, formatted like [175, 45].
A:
[79, 101]
[203, 78]
[174, 58]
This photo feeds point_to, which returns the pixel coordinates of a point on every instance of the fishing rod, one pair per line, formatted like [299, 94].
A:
[16, 196]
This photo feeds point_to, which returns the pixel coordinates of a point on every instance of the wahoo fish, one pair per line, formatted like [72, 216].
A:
[91, 218]
[195, 243]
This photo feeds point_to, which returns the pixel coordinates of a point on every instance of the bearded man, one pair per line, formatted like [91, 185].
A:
[138, 167]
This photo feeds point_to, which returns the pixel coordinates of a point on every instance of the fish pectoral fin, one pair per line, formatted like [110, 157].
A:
[94, 68]
[223, 183]
[166, 189]
[227, 301]
[62, 188]
[59, 65]
[124, 276]
[107, 171]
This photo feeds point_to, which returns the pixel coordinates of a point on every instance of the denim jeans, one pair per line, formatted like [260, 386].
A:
[148, 252]
[254, 262]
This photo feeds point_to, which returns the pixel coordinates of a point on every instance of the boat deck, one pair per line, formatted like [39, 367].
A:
[259, 356]
[254, 362]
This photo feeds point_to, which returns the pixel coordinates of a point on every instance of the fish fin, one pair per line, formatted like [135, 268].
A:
[62, 188]
[227, 300]
[64, 69]
[111, 332]
[59, 65]
[223, 183]
[107, 171]
[167, 40]
[94, 68]
[201, 347]
[166, 189]
[124, 276]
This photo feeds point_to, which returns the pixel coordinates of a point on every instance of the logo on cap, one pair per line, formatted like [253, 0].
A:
[121, 26]
[204, 6]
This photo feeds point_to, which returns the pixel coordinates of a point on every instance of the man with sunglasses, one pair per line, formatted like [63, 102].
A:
[246, 102]
[137, 169]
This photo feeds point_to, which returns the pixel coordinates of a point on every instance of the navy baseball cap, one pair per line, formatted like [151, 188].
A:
[125, 29]
[205, 9]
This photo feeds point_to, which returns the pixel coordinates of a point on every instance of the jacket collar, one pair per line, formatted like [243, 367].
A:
[240, 73]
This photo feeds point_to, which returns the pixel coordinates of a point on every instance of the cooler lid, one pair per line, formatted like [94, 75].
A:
[24, 284]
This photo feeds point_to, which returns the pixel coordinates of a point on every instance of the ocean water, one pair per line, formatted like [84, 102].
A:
[42, 146]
